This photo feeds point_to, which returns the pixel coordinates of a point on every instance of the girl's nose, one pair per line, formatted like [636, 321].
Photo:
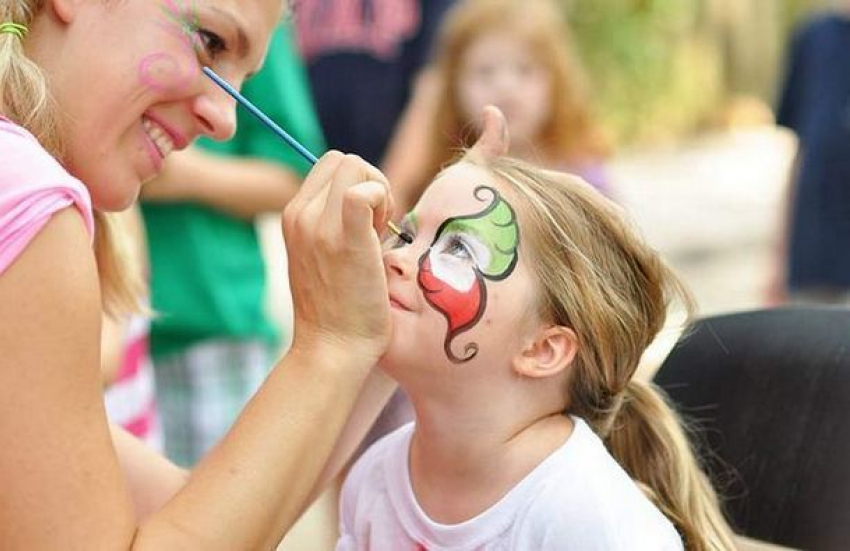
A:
[506, 81]
[400, 262]
[215, 112]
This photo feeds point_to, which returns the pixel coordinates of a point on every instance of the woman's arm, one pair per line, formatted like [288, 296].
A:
[62, 484]
[252, 487]
[376, 393]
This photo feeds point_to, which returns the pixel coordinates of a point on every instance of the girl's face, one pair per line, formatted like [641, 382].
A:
[500, 69]
[461, 293]
[127, 78]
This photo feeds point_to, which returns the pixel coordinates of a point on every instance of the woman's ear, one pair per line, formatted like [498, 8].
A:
[551, 352]
[65, 10]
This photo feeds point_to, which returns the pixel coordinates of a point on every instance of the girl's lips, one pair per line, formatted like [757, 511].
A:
[397, 304]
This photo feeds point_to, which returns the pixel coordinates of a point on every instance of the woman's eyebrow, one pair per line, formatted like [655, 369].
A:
[242, 42]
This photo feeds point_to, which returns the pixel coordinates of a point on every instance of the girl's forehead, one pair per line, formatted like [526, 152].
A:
[453, 194]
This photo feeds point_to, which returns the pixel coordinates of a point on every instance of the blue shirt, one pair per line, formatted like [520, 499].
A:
[815, 103]
[363, 56]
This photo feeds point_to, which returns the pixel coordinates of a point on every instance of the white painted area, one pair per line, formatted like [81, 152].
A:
[453, 270]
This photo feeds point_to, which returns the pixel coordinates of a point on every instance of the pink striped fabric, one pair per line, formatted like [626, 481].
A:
[131, 399]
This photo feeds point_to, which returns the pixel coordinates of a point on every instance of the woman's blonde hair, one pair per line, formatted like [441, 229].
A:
[25, 99]
[570, 133]
[599, 278]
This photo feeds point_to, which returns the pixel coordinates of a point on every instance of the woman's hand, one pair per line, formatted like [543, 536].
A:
[336, 270]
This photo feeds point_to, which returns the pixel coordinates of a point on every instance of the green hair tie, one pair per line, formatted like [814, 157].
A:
[13, 28]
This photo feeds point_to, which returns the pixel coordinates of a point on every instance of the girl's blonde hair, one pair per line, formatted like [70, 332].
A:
[599, 278]
[570, 132]
[25, 99]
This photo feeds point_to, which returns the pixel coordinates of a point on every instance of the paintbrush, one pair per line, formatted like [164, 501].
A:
[274, 127]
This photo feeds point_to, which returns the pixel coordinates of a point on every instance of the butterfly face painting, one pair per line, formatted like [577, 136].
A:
[467, 251]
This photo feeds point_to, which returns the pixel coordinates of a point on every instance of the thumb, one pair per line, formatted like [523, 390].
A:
[494, 140]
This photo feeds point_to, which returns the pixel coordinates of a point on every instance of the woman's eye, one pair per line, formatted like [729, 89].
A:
[212, 43]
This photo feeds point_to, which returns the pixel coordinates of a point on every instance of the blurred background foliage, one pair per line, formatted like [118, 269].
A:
[662, 69]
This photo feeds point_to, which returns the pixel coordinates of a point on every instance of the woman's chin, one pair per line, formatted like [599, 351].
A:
[118, 196]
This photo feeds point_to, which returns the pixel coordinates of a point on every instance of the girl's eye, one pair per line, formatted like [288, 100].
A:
[398, 242]
[395, 242]
[212, 43]
[484, 71]
[455, 246]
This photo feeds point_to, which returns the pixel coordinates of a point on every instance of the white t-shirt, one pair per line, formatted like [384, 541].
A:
[579, 498]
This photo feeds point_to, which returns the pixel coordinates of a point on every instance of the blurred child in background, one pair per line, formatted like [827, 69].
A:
[519, 57]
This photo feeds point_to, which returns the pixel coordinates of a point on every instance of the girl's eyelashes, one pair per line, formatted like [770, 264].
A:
[456, 246]
[396, 242]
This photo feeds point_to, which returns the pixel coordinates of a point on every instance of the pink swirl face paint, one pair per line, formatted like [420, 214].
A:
[164, 71]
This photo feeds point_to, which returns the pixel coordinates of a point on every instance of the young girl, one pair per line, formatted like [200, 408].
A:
[519, 57]
[520, 312]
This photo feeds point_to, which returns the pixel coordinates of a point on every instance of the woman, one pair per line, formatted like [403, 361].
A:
[93, 96]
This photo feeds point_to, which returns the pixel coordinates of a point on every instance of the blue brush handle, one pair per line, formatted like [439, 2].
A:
[406, 237]
[260, 115]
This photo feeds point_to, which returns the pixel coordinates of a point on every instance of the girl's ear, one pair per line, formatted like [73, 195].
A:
[551, 352]
[495, 140]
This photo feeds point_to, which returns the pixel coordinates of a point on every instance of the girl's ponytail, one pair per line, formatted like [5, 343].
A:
[646, 437]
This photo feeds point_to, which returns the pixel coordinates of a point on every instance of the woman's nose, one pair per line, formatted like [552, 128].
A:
[215, 112]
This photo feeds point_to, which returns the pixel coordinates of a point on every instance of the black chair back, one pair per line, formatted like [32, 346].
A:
[770, 390]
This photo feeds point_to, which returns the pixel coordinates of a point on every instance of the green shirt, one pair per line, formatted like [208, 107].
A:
[207, 269]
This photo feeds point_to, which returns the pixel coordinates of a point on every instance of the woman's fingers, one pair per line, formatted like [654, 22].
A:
[336, 273]
[354, 171]
[318, 178]
[364, 210]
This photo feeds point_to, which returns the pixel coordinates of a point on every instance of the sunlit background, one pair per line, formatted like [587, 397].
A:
[665, 69]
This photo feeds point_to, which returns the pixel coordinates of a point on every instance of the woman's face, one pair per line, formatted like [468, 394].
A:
[498, 68]
[127, 78]
[462, 292]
